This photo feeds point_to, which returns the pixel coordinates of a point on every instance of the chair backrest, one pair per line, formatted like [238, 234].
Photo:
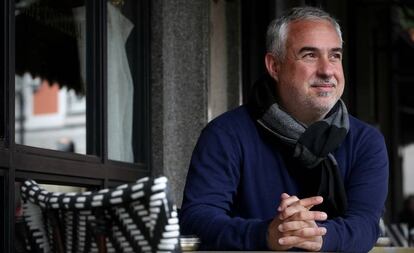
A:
[395, 234]
[400, 234]
[137, 217]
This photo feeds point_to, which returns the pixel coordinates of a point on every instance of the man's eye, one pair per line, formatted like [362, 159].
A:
[309, 55]
[336, 56]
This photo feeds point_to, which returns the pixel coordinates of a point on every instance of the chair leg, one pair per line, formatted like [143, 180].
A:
[101, 243]
[99, 230]
[57, 236]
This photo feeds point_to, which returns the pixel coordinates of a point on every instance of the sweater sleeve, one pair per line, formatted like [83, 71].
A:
[209, 193]
[367, 185]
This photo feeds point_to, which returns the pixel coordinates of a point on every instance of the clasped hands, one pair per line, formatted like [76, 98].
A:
[295, 225]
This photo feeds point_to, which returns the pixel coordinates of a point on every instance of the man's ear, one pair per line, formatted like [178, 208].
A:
[272, 65]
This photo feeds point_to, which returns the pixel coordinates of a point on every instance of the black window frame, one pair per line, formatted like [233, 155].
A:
[19, 162]
[4, 65]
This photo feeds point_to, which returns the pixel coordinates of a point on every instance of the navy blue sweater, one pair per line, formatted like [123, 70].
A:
[236, 178]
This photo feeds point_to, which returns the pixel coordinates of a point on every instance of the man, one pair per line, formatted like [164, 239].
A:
[291, 169]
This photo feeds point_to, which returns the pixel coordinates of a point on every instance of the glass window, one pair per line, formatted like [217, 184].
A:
[125, 87]
[50, 106]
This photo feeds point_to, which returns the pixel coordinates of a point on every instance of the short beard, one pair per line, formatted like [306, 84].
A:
[324, 94]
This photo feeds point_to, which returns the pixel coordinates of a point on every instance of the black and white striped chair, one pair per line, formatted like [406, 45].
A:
[137, 217]
[400, 234]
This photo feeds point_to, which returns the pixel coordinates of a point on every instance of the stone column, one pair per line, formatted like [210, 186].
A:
[179, 78]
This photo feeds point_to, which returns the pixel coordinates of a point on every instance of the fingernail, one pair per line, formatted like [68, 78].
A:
[280, 228]
[279, 208]
[324, 216]
[322, 230]
[281, 241]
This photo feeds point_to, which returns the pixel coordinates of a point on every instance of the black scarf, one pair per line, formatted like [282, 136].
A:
[308, 149]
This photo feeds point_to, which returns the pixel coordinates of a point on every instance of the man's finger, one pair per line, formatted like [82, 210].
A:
[294, 225]
[291, 210]
[298, 212]
[284, 196]
[308, 216]
[286, 201]
[310, 245]
[311, 201]
[310, 232]
[291, 241]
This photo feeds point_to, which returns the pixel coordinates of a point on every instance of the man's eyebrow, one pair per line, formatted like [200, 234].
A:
[307, 49]
[337, 49]
[314, 49]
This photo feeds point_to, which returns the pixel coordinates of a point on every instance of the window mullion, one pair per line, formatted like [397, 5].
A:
[8, 51]
[94, 76]
[3, 74]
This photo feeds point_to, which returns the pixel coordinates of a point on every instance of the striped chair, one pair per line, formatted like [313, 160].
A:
[137, 217]
[400, 234]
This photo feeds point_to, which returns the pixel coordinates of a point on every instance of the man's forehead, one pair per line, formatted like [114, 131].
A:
[303, 27]
[310, 23]
[313, 33]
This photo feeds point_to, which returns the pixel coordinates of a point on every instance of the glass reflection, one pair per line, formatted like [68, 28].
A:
[125, 124]
[50, 109]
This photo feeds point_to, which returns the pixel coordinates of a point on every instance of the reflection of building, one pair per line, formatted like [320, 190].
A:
[47, 113]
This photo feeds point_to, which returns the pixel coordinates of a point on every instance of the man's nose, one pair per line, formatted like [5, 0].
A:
[325, 68]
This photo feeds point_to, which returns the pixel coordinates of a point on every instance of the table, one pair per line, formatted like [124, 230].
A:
[392, 250]
[374, 250]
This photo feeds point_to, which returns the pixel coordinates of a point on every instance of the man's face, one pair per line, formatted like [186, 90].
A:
[310, 76]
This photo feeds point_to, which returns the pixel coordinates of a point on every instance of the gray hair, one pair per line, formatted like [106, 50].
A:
[277, 30]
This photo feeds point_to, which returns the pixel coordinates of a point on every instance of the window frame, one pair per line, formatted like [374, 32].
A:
[5, 213]
[4, 65]
[96, 163]
[18, 162]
